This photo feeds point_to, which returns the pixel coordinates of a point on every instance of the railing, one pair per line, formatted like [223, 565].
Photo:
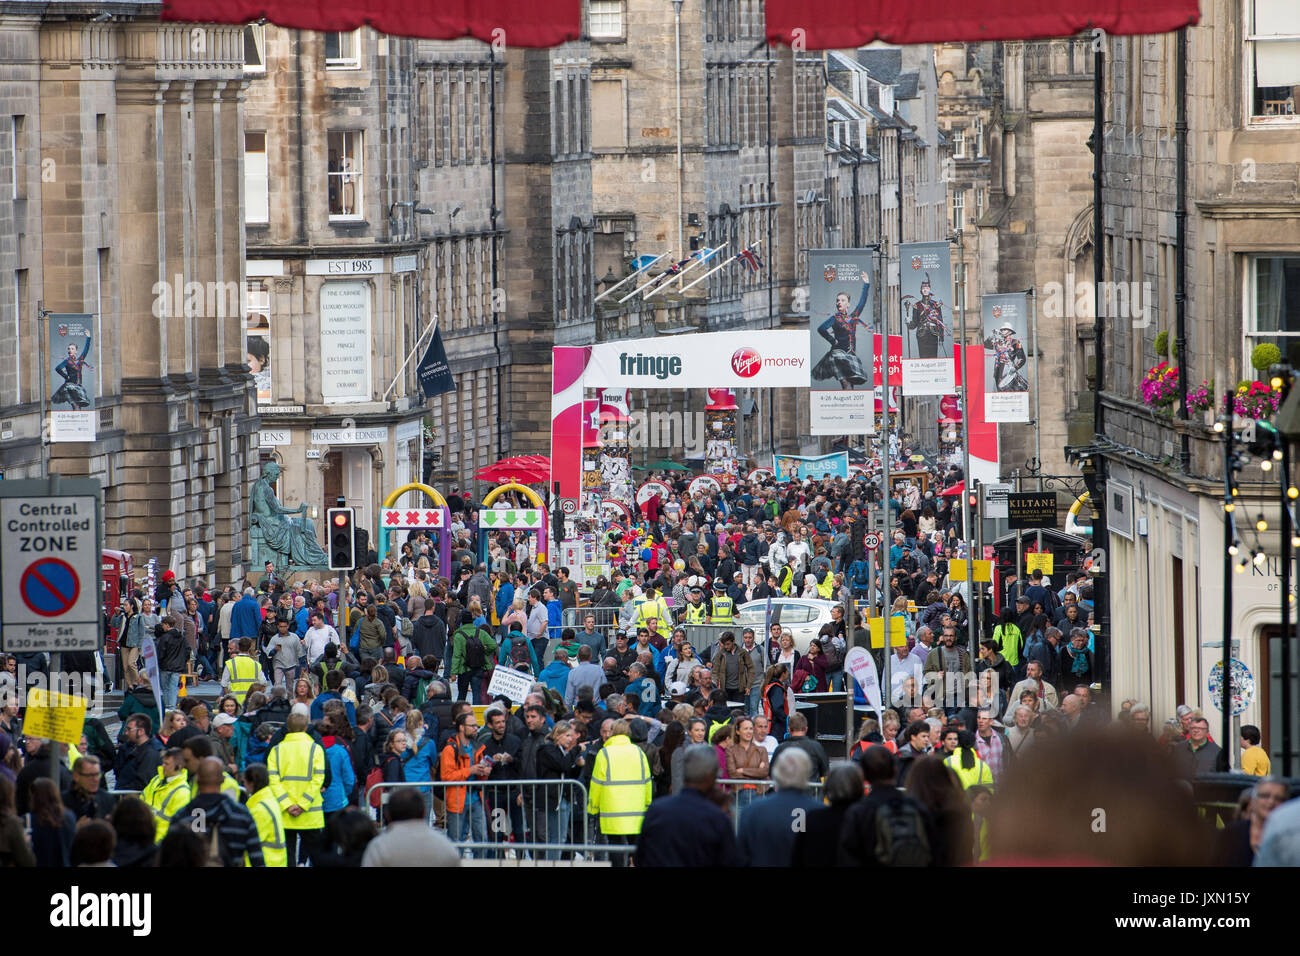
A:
[744, 791]
[507, 815]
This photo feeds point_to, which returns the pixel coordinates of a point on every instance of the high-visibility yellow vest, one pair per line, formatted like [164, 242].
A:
[166, 796]
[242, 672]
[657, 609]
[620, 786]
[826, 586]
[724, 610]
[270, 831]
[969, 777]
[695, 613]
[297, 768]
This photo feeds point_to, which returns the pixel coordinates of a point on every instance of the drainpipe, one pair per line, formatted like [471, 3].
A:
[1180, 251]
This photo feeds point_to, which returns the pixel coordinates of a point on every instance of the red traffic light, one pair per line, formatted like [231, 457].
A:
[340, 519]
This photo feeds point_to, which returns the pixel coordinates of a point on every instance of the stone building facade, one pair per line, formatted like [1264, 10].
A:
[121, 151]
[1241, 239]
[753, 144]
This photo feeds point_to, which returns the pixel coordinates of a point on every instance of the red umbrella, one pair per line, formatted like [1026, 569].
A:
[955, 489]
[501, 473]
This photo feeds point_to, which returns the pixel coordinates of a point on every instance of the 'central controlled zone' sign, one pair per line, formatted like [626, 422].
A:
[49, 566]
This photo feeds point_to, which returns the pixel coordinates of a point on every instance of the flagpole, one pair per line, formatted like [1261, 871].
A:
[706, 275]
[645, 285]
[630, 277]
[409, 355]
[712, 252]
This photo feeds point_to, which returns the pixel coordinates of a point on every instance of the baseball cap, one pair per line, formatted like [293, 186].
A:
[677, 688]
[225, 720]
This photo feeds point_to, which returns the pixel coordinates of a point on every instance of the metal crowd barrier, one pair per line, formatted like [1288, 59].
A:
[760, 789]
[606, 619]
[506, 815]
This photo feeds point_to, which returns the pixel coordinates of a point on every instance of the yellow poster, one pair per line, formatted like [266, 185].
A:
[58, 717]
[984, 572]
[1035, 562]
[957, 569]
[897, 632]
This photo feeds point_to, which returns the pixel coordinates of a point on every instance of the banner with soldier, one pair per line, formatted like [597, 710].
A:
[841, 331]
[1006, 358]
[926, 290]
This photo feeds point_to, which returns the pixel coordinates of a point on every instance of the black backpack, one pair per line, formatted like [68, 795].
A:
[475, 653]
[519, 652]
[901, 838]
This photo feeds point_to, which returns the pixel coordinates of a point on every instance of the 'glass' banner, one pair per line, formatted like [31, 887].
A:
[791, 467]
[925, 275]
[1006, 358]
[841, 330]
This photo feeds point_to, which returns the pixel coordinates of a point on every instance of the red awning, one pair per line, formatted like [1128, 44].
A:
[537, 23]
[525, 469]
[954, 490]
[839, 24]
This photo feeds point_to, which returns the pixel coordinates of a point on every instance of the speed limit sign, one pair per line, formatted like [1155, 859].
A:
[871, 541]
[569, 505]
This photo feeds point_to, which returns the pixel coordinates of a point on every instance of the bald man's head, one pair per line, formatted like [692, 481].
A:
[210, 775]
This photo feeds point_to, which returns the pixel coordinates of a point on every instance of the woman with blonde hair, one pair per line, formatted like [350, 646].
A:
[516, 614]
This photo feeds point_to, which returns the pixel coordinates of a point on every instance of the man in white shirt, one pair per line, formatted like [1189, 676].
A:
[318, 635]
[797, 552]
[761, 736]
[904, 665]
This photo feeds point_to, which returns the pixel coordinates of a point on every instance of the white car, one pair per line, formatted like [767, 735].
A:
[802, 617]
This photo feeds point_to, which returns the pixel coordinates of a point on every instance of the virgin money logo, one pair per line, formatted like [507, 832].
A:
[746, 362]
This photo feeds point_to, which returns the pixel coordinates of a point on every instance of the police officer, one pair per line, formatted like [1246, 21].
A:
[724, 607]
[695, 611]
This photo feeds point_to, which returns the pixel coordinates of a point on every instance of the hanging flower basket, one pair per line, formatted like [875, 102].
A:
[1160, 386]
[1254, 400]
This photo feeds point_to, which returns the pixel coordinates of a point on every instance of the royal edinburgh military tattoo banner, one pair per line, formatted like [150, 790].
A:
[926, 276]
[73, 376]
[841, 328]
[1006, 358]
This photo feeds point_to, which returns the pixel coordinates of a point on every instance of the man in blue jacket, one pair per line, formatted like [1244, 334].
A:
[505, 594]
[554, 612]
[246, 618]
[688, 829]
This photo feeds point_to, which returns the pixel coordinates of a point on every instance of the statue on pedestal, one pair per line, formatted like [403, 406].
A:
[278, 536]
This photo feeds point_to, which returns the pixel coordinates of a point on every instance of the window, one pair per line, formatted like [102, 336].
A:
[1273, 305]
[343, 50]
[257, 198]
[101, 139]
[345, 171]
[979, 137]
[257, 338]
[959, 281]
[979, 203]
[18, 150]
[607, 19]
[254, 48]
[1273, 60]
[958, 144]
[959, 209]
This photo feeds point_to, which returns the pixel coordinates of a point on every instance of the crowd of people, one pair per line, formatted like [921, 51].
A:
[339, 711]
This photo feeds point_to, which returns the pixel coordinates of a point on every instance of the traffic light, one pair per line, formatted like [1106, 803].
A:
[972, 500]
[343, 556]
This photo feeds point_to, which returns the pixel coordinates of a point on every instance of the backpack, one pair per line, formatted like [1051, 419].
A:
[901, 839]
[519, 652]
[475, 652]
[375, 776]
[834, 653]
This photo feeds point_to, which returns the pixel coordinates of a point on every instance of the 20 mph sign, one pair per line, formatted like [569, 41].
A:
[49, 565]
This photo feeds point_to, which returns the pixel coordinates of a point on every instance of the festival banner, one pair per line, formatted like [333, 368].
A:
[925, 274]
[798, 467]
[73, 376]
[839, 305]
[1006, 361]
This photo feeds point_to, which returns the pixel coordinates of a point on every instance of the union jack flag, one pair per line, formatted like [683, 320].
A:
[751, 260]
